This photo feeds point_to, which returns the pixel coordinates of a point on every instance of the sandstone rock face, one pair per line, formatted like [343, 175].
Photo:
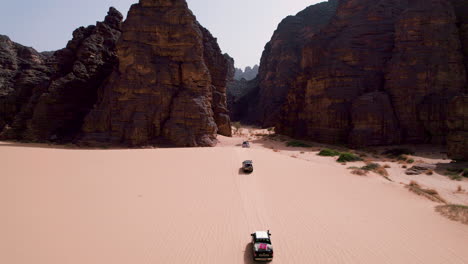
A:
[221, 71]
[381, 72]
[56, 108]
[21, 69]
[458, 124]
[461, 10]
[280, 62]
[374, 122]
[426, 70]
[164, 89]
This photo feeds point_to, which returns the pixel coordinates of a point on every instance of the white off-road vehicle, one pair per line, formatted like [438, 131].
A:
[261, 244]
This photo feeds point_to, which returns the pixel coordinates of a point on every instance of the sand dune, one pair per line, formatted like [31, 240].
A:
[60, 206]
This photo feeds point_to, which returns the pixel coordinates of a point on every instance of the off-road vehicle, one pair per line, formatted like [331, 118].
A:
[261, 245]
[247, 166]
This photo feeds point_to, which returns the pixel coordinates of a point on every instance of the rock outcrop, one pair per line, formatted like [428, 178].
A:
[281, 59]
[168, 86]
[221, 71]
[21, 69]
[378, 73]
[458, 125]
[56, 107]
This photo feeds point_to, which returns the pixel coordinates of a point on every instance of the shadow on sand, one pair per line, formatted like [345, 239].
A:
[242, 172]
[248, 257]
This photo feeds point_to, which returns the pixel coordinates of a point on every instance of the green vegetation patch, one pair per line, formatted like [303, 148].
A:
[371, 167]
[298, 144]
[329, 153]
[348, 157]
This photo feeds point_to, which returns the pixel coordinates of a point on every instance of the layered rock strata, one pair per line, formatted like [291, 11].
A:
[169, 86]
[56, 107]
[378, 73]
[21, 69]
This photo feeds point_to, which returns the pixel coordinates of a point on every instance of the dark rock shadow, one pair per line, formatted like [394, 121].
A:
[443, 168]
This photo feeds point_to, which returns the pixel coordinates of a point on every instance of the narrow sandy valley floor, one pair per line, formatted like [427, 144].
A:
[60, 206]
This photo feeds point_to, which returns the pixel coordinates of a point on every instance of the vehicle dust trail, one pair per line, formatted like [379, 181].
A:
[193, 206]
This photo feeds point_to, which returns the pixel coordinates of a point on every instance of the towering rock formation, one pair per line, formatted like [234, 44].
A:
[21, 69]
[169, 86]
[221, 71]
[370, 73]
[56, 107]
[280, 62]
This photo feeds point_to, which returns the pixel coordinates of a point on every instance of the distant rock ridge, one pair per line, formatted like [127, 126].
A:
[158, 78]
[249, 73]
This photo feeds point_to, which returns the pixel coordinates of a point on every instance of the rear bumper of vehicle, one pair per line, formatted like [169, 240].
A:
[263, 259]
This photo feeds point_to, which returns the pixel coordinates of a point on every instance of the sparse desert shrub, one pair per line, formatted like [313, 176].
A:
[359, 172]
[455, 177]
[404, 166]
[329, 153]
[430, 172]
[402, 158]
[237, 126]
[302, 152]
[377, 168]
[465, 172]
[454, 212]
[276, 150]
[348, 157]
[386, 166]
[410, 161]
[298, 144]
[398, 152]
[454, 174]
[270, 129]
[382, 171]
[371, 167]
[460, 189]
[431, 194]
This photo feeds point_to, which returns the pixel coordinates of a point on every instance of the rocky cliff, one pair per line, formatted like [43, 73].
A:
[21, 69]
[56, 107]
[371, 73]
[159, 78]
[280, 62]
[169, 85]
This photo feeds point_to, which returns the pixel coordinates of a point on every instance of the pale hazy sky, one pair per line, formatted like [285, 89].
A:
[242, 27]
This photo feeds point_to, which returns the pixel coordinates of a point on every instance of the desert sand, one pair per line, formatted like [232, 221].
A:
[71, 206]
